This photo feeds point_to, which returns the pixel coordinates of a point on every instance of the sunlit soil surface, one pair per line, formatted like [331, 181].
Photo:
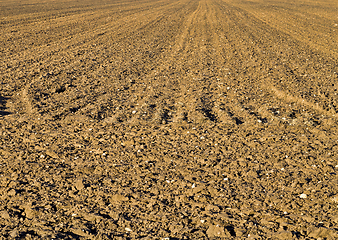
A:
[176, 119]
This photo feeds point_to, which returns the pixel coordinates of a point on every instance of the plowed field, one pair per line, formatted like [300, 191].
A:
[158, 119]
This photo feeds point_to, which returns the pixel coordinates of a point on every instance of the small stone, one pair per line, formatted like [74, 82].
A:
[303, 195]
[128, 229]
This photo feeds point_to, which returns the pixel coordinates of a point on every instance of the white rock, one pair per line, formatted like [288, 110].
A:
[303, 195]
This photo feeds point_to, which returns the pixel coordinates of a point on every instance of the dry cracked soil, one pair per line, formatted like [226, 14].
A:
[168, 119]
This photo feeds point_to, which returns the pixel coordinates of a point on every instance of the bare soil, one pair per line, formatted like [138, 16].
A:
[157, 119]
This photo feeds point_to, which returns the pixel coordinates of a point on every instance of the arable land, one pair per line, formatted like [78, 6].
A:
[169, 119]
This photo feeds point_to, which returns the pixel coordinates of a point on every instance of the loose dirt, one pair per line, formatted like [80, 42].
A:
[156, 119]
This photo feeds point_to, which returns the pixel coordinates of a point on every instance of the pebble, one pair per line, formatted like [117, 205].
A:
[303, 195]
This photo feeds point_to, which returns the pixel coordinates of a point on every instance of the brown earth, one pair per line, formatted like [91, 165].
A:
[157, 119]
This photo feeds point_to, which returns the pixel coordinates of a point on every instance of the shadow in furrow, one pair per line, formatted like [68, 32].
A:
[2, 107]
